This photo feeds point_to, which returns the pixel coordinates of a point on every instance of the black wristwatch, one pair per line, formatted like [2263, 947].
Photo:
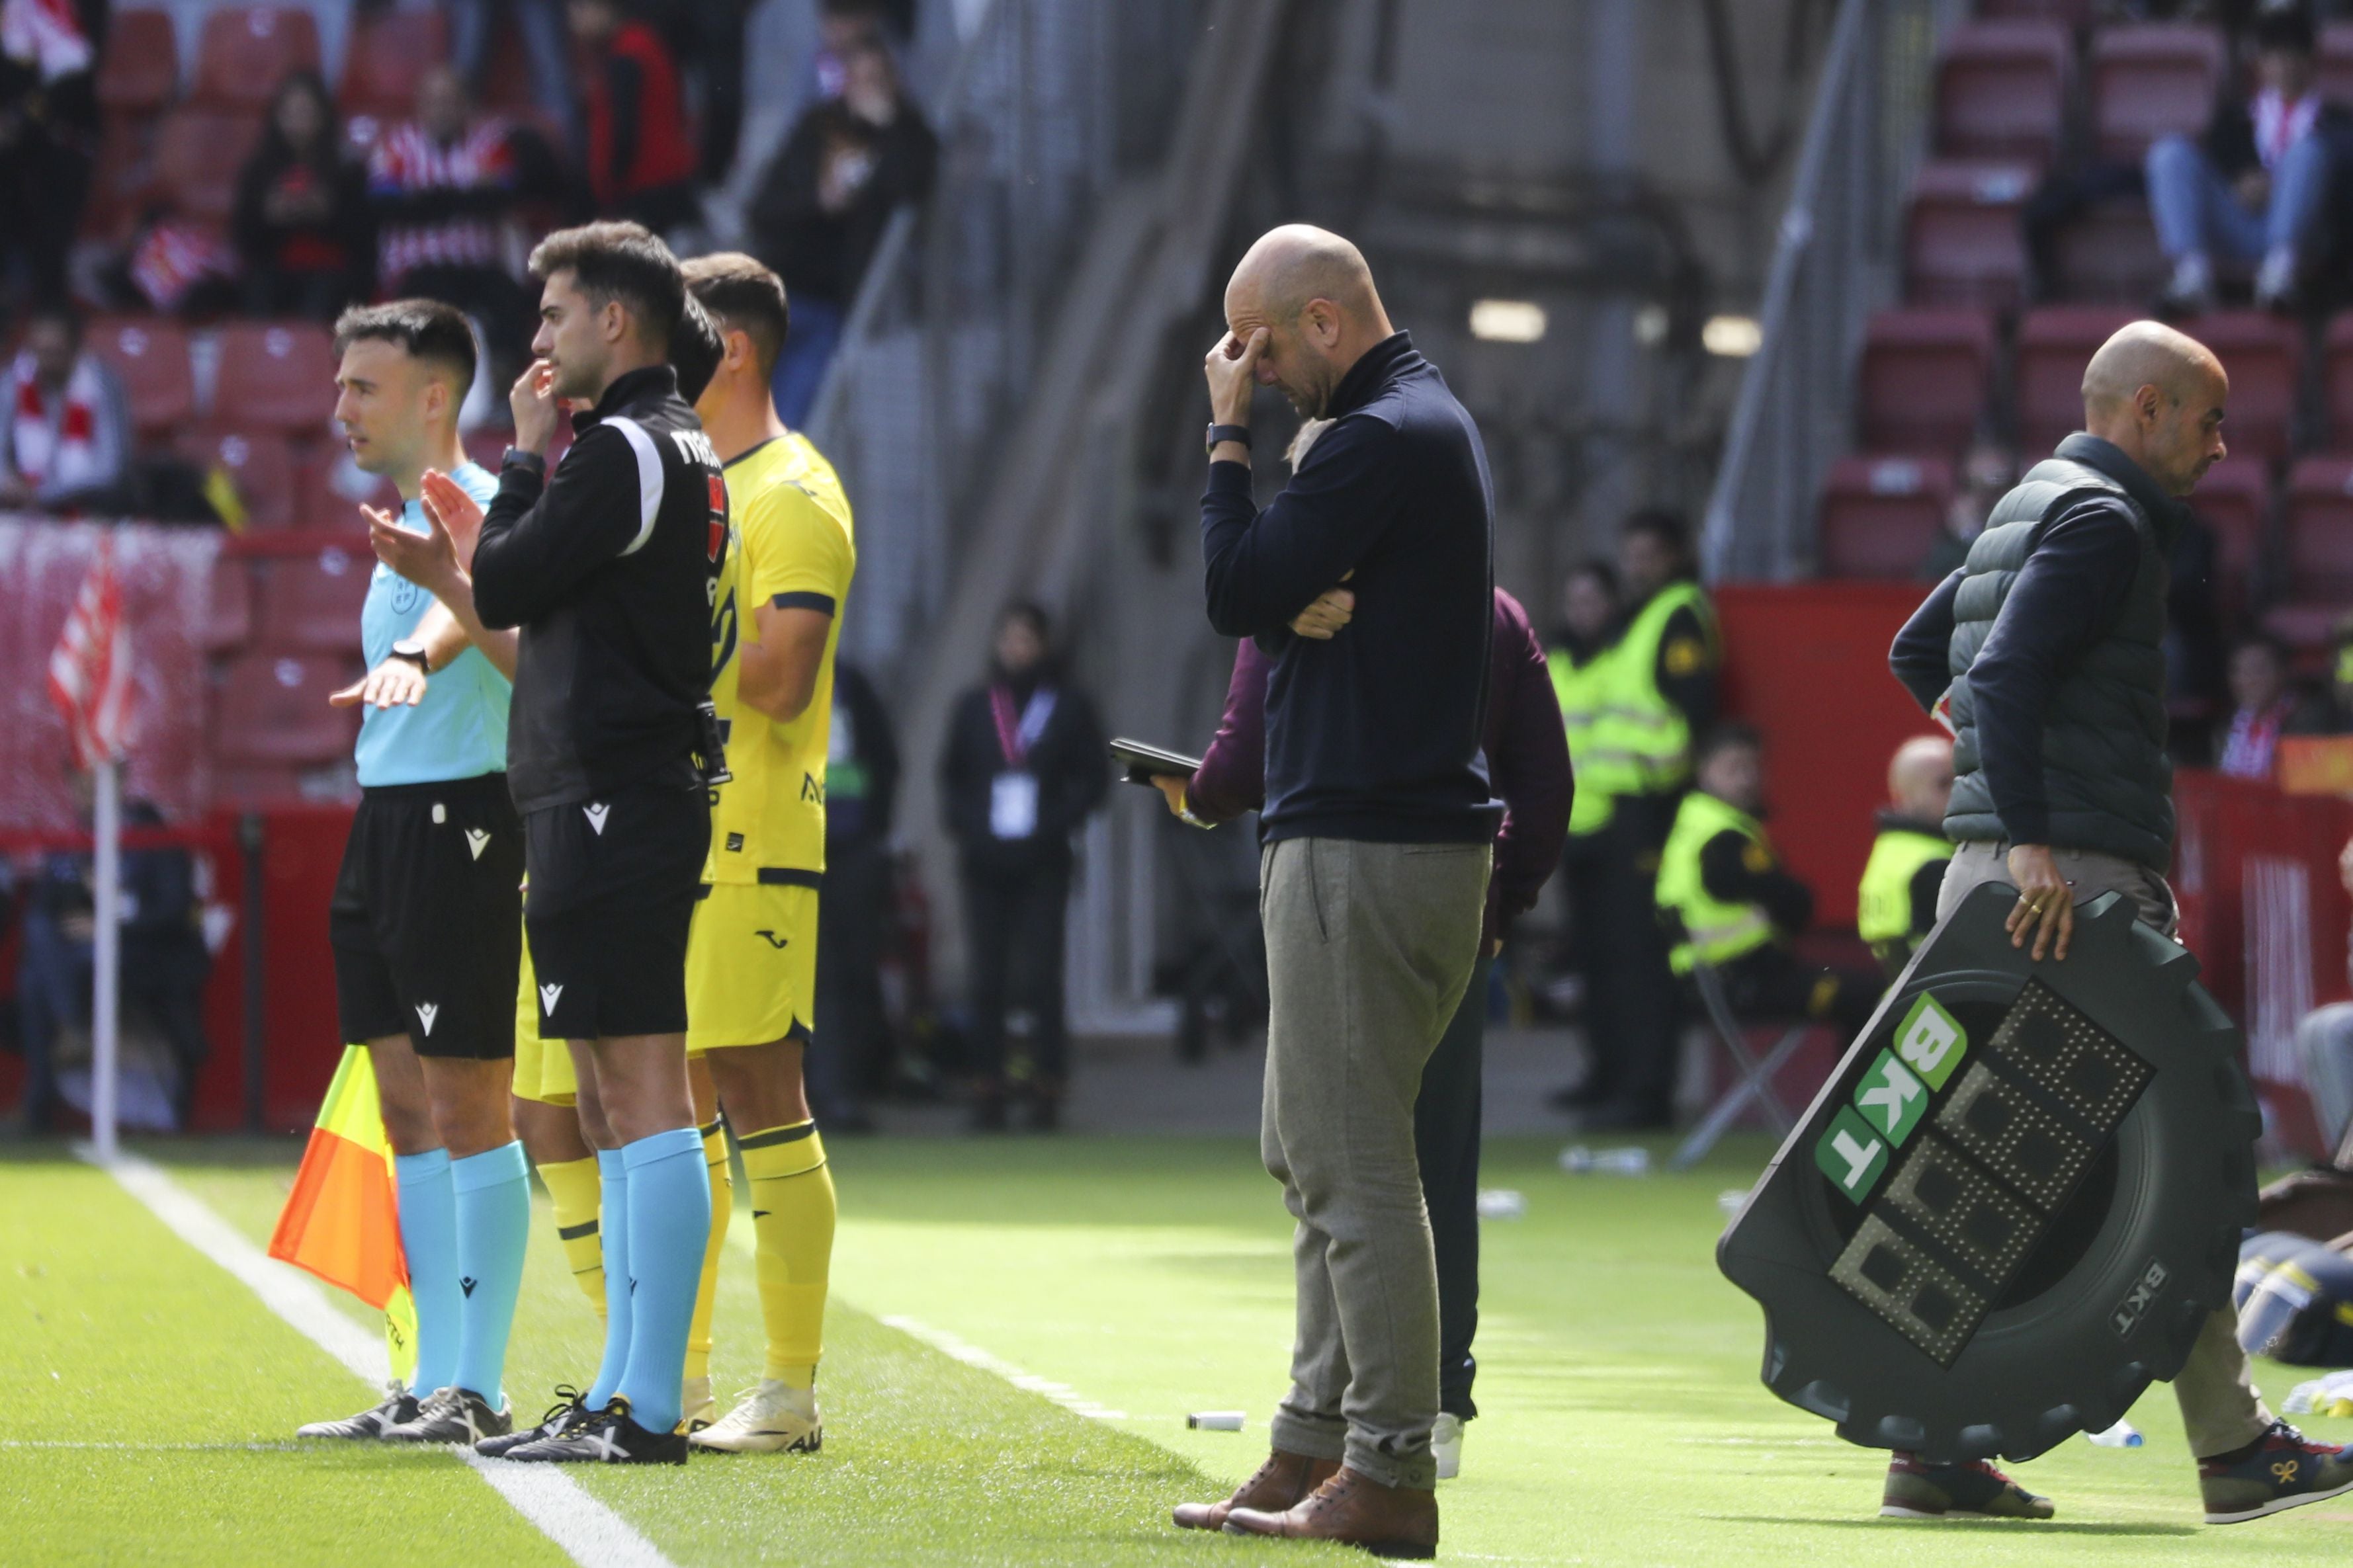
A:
[1226, 433]
[414, 652]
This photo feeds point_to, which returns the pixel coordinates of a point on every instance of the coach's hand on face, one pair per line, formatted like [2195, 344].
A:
[533, 403]
[1232, 370]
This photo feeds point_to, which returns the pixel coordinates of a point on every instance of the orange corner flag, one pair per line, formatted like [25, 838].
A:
[342, 1221]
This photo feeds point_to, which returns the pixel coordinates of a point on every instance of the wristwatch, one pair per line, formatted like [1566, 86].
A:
[1226, 433]
[414, 652]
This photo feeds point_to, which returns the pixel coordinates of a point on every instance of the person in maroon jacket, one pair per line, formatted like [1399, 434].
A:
[641, 160]
[1527, 763]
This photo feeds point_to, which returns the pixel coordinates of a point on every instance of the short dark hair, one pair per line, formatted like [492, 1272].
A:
[744, 296]
[695, 350]
[1667, 527]
[1599, 570]
[1726, 735]
[1031, 614]
[624, 261]
[2268, 644]
[427, 328]
[2286, 29]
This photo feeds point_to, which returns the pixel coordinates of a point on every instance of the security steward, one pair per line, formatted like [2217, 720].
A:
[1729, 903]
[1578, 663]
[1658, 695]
[2047, 650]
[1896, 906]
[609, 566]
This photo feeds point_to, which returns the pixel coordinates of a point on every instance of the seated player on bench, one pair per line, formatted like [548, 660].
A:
[2295, 1299]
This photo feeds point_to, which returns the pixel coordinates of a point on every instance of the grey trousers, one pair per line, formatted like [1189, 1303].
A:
[2219, 1407]
[1368, 949]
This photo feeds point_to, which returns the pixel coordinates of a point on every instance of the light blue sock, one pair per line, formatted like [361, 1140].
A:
[429, 1235]
[669, 1225]
[613, 1227]
[494, 1190]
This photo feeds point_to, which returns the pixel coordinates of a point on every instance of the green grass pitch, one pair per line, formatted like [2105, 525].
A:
[986, 1294]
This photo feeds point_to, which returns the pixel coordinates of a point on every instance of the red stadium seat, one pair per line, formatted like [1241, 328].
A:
[2073, 12]
[389, 54]
[2316, 551]
[150, 355]
[2150, 80]
[198, 152]
[276, 375]
[2109, 253]
[2001, 90]
[271, 712]
[247, 50]
[119, 177]
[2053, 345]
[319, 505]
[2336, 384]
[260, 463]
[1881, 515]
[309, 603]
[231, 625]
[139, 70]
[2263, 355]
[2235, 500]
[1922, 386]
[1961, 244]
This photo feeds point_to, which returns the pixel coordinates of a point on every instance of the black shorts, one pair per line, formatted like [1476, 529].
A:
[425, 918]
[613, 884]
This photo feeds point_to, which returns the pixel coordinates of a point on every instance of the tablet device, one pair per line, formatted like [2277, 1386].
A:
[1140, 763]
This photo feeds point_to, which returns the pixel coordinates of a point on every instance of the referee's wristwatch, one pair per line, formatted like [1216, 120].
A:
[1226, 433]
[414, 651]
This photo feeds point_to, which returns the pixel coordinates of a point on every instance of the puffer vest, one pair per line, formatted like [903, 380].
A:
[2105, 771]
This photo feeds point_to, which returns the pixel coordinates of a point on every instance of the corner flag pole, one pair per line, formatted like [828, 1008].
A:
[105, 1068]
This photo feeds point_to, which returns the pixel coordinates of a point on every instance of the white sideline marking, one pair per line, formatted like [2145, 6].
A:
[590, 1533]
[947, 1344]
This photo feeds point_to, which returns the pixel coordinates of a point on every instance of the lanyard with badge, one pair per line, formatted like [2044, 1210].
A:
[1013, 793]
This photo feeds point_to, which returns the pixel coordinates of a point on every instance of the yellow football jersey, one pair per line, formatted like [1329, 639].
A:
[789, 545]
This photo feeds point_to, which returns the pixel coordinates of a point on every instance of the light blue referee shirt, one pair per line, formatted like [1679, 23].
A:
[459, 730]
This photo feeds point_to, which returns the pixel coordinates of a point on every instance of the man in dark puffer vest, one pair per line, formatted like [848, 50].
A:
[2046, 650]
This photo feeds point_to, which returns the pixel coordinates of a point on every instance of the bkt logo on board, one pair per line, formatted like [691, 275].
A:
[1891, 1098]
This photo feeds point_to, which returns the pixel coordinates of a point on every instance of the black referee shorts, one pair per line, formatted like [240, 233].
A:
[425, 922]
[613, 885]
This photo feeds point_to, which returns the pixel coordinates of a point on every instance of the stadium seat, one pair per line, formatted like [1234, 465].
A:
[246, 51]
[2001, 90]
[2316, 551]
[1922, 386]
[260, 463]
[2234, 500]
[2053, 345]
[1961, 243]
[119, 177]
[319, 505]
[2109, 254]
[198, 152]
[230, 623]
[276, 375]
[150, 355]
[2336, 384]
[389, 54]
[2152, 79]
[310, 602]
[271, 711]
[1881, 515]
[139, 70]
[2264, 355]
[2073, 13]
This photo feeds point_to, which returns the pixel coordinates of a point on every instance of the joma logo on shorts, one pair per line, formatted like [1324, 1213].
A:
[774, 940]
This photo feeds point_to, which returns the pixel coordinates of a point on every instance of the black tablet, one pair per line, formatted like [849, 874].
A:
[1140, 763]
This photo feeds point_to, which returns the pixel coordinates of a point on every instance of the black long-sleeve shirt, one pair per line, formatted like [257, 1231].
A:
[2067, 598]
[1066, 758]
[609, 565]
[1738, 869]
[1375, 733]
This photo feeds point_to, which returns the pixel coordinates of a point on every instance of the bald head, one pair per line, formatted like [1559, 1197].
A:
[1309, 290]
[2158, 396]
[1920, 778]
[1297, 263]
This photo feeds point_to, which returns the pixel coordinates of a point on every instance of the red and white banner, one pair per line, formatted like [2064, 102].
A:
[90, 670]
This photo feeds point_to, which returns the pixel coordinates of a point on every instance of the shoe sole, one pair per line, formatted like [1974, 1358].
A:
[2279, 1505]
[1392, 1551]
[1898, 1511]
[760, 1443]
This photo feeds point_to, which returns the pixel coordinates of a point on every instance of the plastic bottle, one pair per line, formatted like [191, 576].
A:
[2123, 1435]
[1578, 1160]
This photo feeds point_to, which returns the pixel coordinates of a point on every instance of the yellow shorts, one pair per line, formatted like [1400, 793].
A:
[542, 1067]
[751, 966]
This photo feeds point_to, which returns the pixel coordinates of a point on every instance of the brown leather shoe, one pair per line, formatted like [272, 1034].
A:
[1356, 1511]
[1280, 1482]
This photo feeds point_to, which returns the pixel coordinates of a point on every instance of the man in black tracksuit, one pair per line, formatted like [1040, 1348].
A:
[609, 566]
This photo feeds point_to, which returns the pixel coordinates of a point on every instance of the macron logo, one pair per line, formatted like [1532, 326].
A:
[547, 996]
[426, 1012]
[477, 840]
[597, 817]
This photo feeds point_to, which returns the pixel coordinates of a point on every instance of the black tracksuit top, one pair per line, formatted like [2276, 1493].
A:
[609, 567]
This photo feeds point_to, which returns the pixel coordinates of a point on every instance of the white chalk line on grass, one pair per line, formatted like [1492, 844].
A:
[592, 1534]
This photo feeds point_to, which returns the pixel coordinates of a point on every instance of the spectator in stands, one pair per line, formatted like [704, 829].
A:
[641, 162]
[1021, 771]
[300, 220]
[1988, 471]
[163, 965]
[442, 188]
[2265, 706]
[824, 202]
[68, 443]
[1896, 905]
[546, 45]
[48, 136]
[852, 1054]
[2255, 191]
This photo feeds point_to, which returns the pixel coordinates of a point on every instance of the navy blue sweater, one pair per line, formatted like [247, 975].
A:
[1374, 734]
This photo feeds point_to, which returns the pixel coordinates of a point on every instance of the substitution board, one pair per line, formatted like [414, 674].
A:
[2017, 1199]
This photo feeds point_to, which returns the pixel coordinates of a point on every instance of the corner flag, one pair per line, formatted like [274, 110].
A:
[342, 1221]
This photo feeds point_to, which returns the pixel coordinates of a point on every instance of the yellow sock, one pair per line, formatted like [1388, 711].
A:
[722, 1209]
[792, 1211]
[573, 1186]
